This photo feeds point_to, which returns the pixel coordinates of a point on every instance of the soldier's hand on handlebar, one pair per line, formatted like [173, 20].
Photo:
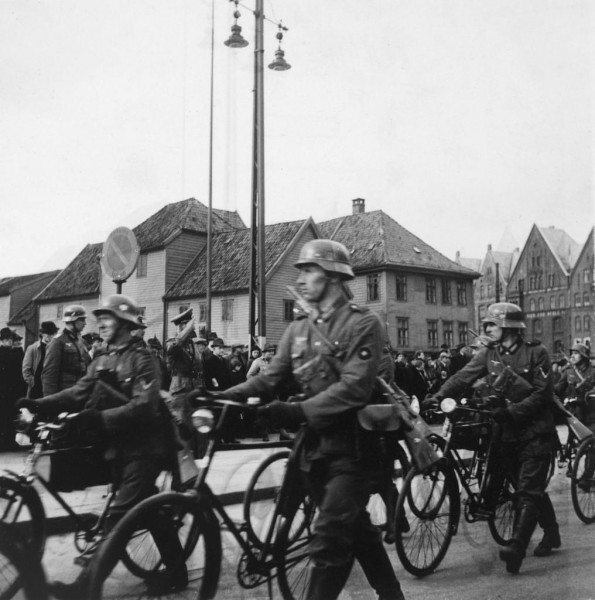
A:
[90, 419]
[28, 403]
[430, 403]
[283, 414]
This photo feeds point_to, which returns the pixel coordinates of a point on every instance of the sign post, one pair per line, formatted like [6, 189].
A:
[120, 255]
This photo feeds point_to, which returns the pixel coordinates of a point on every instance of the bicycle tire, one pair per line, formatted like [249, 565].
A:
[20, 568]
[291, 550]
[381, 513]
[432, 498]
[501, 523]
[582, 484]
[261, 496]
[205, 560]
[21, 507]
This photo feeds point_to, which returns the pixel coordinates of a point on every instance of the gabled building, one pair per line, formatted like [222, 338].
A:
[581, 293]
[169, 241]
[424, 298]
[230, 281]
[78, 283]
[16, 308]
[540, 283]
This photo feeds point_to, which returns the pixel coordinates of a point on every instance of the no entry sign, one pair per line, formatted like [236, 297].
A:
[120, 254]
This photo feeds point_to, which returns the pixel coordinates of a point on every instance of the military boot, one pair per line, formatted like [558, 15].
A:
[551, 531]
[525, 521]
[326, 582]
[379, 571]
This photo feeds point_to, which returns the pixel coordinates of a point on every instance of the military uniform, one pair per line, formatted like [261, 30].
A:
[577, 382]
[66, 361]
[337, 383]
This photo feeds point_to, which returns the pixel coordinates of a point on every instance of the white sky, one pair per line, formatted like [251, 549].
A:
[458, 118]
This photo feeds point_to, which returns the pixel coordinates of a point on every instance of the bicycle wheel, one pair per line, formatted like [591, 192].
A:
[431, 500]
[21, 574]
[261, 496]
[582, 484]
[502, 522]
[21, 507]
[198, 533]
[291, 551]
[382, 505]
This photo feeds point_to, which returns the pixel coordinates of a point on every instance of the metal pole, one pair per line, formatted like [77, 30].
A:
[210, 212]
[497, 282]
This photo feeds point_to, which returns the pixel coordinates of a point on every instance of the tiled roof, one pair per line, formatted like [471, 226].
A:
[563, 246]
[470, 263]
[230, 268]
[81, 277]
[7, 284]
[376, 240]
[187, 214]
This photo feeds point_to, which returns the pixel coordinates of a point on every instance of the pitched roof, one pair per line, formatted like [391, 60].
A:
[187, 215]
[470, 263]
[564, 248]
[8, 284]
[507, 262]
[376, 240]
[230, 269]
[82, 277]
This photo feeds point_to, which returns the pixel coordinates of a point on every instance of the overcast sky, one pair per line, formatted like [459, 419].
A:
[458, 118]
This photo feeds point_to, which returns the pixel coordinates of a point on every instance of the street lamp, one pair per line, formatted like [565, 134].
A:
[257, 237]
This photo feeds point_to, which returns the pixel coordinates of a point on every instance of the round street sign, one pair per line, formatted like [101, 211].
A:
[120, 254]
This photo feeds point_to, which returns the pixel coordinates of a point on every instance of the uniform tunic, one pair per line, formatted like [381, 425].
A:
[578, 382]
[66, 361]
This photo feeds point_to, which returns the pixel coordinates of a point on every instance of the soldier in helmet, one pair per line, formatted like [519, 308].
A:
[67, 357]
[527, 423]
[118, 401]
[336, 379]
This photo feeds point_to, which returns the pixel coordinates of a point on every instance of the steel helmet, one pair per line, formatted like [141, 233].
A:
[505, 314]
[328, 255]
[122, 307]
[582, 349]
[74, 312]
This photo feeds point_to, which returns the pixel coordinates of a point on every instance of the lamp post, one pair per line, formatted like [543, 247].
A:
[257, 226]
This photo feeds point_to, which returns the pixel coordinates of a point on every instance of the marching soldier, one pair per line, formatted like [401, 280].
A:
[336, 383]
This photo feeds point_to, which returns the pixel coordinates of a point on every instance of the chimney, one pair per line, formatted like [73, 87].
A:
[458, 256]
[359, 206]
[489, 247]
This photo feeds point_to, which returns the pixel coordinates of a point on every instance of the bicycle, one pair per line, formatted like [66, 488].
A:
[432, 496]
[280, 549]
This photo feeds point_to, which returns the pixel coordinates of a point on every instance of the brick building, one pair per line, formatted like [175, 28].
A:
[581, 295]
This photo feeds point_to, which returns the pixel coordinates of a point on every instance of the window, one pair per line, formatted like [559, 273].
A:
[59, 310]
[202, 311]
[557, 324]
[433, 334]
[373, 287]
[520, 284]
[541, 304]
[141, 266]
[577, 323]
[586, 299]
[227, 310]
[552, 301]
[532, 282]
[562, 301]
[446, 292]
[586, 323]
[288, 306]
[430, 290]
[551, 280]
[401, 282]
[461, 293]
[481, 291]
[586, 276]
[537, 327]
[463, 332]
[449, 336]
[402, 331]
[577, 299]
[532, 305]
[481, 312]
[489, 290]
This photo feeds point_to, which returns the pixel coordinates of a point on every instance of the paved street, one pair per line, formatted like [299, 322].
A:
[470, 570]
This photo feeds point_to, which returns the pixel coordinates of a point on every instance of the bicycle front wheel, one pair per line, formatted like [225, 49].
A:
[163, 536]
[501, 523]
[291, 550]
[261, 496]
[582, 484]
[21, 507]
[430, 500]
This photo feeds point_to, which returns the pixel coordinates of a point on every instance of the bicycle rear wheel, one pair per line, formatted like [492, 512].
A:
[432, 501]
[261, 496]
[133, 539]
[21, 507]
[501, 523]
[582, 484]
[291, 550]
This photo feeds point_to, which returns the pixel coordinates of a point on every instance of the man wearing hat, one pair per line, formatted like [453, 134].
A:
[67, 356]
[181, 355]
[34, 358]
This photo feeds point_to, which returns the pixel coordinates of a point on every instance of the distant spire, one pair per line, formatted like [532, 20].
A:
[507, 242]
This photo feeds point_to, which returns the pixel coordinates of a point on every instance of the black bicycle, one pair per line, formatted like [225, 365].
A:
[432, 496]
[277, 549]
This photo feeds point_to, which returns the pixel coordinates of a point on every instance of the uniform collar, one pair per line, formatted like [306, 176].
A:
[510, 349]
[330, 310]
